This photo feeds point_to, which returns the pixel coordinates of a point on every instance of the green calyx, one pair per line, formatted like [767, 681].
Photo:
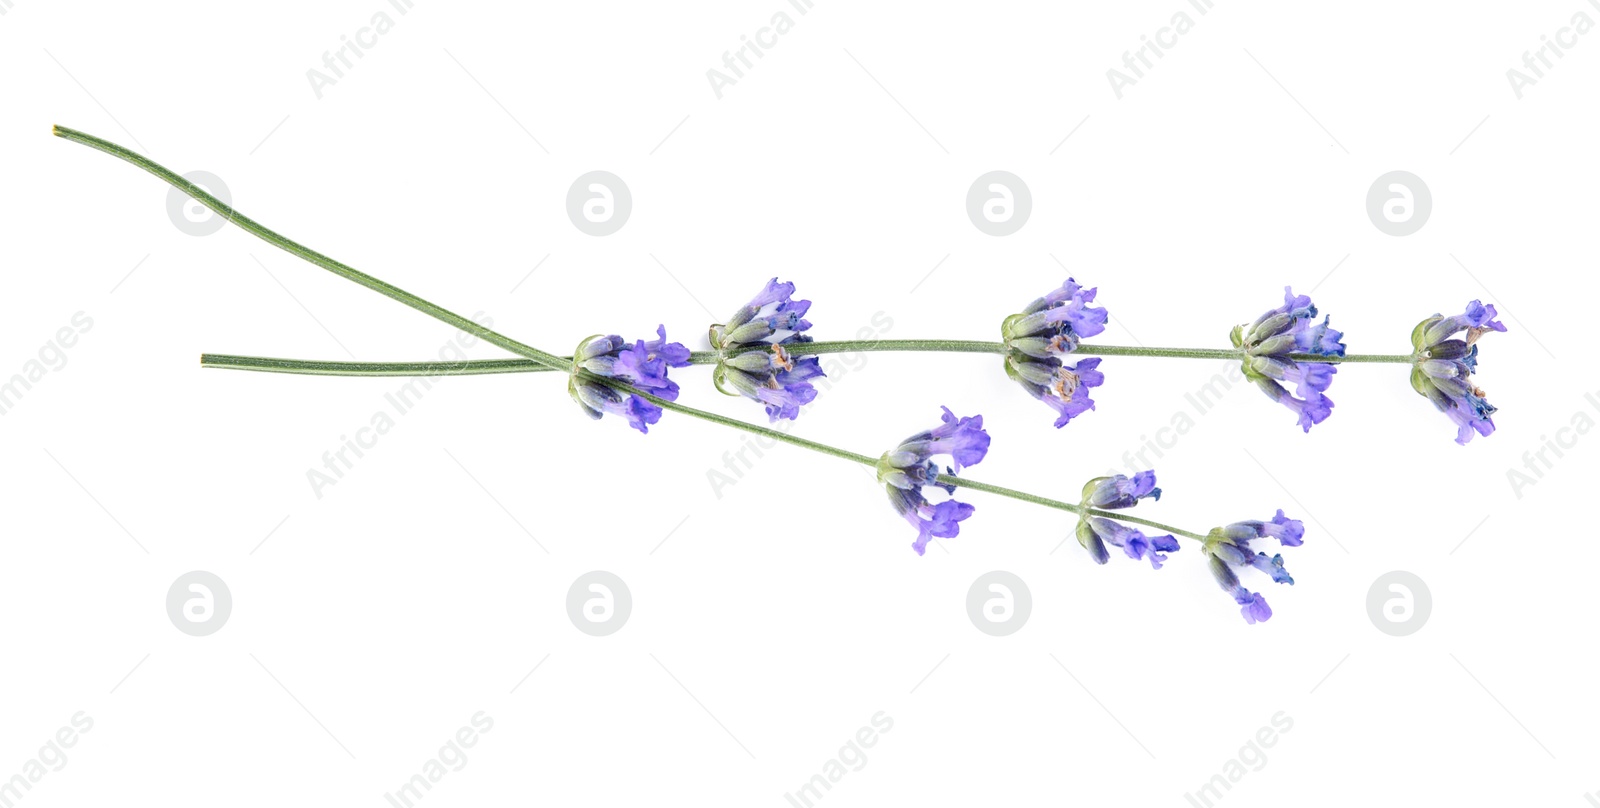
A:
[887, 473]
[1420, 333]
[1008, 327]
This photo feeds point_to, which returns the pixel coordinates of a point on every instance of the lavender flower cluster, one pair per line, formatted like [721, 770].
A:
[756, 358]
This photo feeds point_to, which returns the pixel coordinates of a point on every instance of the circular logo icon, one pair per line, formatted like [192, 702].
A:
[599, 603]
[599, 203]
[199, 603]
[189, 215]
[1398, 203]
[998, 203]
[1399, 603]
[999, 603]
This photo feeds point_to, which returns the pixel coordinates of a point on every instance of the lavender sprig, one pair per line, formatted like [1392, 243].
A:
[752, 353]
[1444, 364]
[1270, 345]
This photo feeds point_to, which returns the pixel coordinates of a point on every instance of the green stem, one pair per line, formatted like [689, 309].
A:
[342, 270]
[312, 367]
[543, 360]
[754, 429]
[854, 345]
[964, 482]
[538, 357]
[1391, 359]
[1146, 522]
[475, 367]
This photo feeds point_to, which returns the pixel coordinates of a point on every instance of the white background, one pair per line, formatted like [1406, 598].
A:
[772, 622]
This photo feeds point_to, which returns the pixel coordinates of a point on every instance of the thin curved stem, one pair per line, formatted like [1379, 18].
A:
[538, 358]
[853, 345]
[542, 360]
[754, 429]
[477, 367]
[313, 367]
[965, 482]
[342, 270]
[1146, 522]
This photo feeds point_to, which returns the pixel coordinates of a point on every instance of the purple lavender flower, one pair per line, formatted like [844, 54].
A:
[908, 468]
[751, 358]
[1444, 364]
[1228, 547]
[1041, 336]
[1115, 493]
[1268, 342]
[642, 364]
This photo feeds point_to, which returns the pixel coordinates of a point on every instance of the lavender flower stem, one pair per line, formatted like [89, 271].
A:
[1146, 522]
[536, 359]
[966, 482]
[754, 429]
[475, 367]
[300, 251]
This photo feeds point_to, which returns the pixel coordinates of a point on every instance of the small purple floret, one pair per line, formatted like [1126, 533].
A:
[908, 470]
[1040, 341]
[641, 364]
[754, 361]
